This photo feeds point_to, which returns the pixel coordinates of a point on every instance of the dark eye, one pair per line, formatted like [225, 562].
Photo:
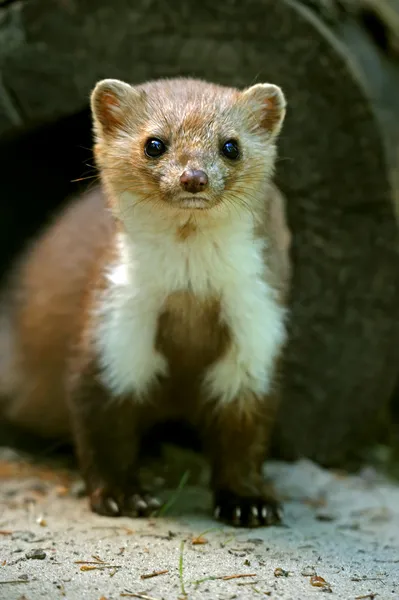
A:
[154, 148]
[230, 150]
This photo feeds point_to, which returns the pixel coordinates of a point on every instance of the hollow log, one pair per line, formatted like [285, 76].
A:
[334, 169]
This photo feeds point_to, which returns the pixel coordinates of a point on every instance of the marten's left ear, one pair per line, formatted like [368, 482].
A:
[267, 104]
[113, 103]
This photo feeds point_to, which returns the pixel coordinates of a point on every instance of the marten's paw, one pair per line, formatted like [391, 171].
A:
[141, 505]
[250, 511]
[106, 503]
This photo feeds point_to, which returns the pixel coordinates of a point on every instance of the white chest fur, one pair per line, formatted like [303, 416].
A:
[223, 260]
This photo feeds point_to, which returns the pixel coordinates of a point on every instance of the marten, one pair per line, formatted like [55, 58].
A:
[160, 295]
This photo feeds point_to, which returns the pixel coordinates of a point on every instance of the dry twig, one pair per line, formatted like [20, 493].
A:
[154, 574]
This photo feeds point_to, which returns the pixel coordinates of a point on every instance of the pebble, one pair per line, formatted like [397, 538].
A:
[37, 554]
[308, 572]
[325, 516]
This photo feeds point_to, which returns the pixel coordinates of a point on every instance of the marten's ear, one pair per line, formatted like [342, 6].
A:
[267, 104]
[112, 102]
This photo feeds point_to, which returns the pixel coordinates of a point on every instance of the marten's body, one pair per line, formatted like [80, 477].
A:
[171, 307]
[41, 309]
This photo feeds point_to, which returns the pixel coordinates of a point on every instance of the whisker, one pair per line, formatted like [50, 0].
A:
[85, 178]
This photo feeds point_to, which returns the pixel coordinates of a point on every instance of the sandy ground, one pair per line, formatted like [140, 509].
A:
[343, 529]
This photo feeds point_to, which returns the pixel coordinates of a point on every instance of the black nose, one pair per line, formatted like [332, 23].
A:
[194, 180]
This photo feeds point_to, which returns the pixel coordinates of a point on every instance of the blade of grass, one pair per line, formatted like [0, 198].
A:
[174, 497]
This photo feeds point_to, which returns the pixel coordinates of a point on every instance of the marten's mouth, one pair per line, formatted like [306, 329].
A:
[196, 203]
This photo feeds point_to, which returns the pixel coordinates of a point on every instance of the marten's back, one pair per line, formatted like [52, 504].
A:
[40, 314]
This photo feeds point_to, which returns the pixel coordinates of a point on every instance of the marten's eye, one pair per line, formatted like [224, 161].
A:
[154, 148]
[231, 150]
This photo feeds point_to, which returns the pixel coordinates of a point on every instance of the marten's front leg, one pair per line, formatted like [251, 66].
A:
[107, 439]
[240, 386]
[236, 437]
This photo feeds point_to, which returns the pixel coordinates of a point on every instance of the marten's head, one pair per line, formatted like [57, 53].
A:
[186, 146]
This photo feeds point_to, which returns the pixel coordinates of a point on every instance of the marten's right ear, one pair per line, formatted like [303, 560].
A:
[111, 102]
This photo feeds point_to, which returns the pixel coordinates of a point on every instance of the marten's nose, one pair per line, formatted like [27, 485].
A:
[193, 180]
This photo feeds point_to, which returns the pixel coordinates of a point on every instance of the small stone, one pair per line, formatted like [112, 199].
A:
[323, 515]
[308, 572]
[41, 521]
[37, 554]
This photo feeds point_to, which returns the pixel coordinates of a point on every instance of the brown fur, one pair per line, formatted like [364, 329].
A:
[186, 230]
[44, 300]
[56, 386]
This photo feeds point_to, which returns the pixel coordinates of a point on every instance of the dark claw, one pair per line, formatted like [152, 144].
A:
[104, 504]
[139, 505]
[253, 511]
[153, 503]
